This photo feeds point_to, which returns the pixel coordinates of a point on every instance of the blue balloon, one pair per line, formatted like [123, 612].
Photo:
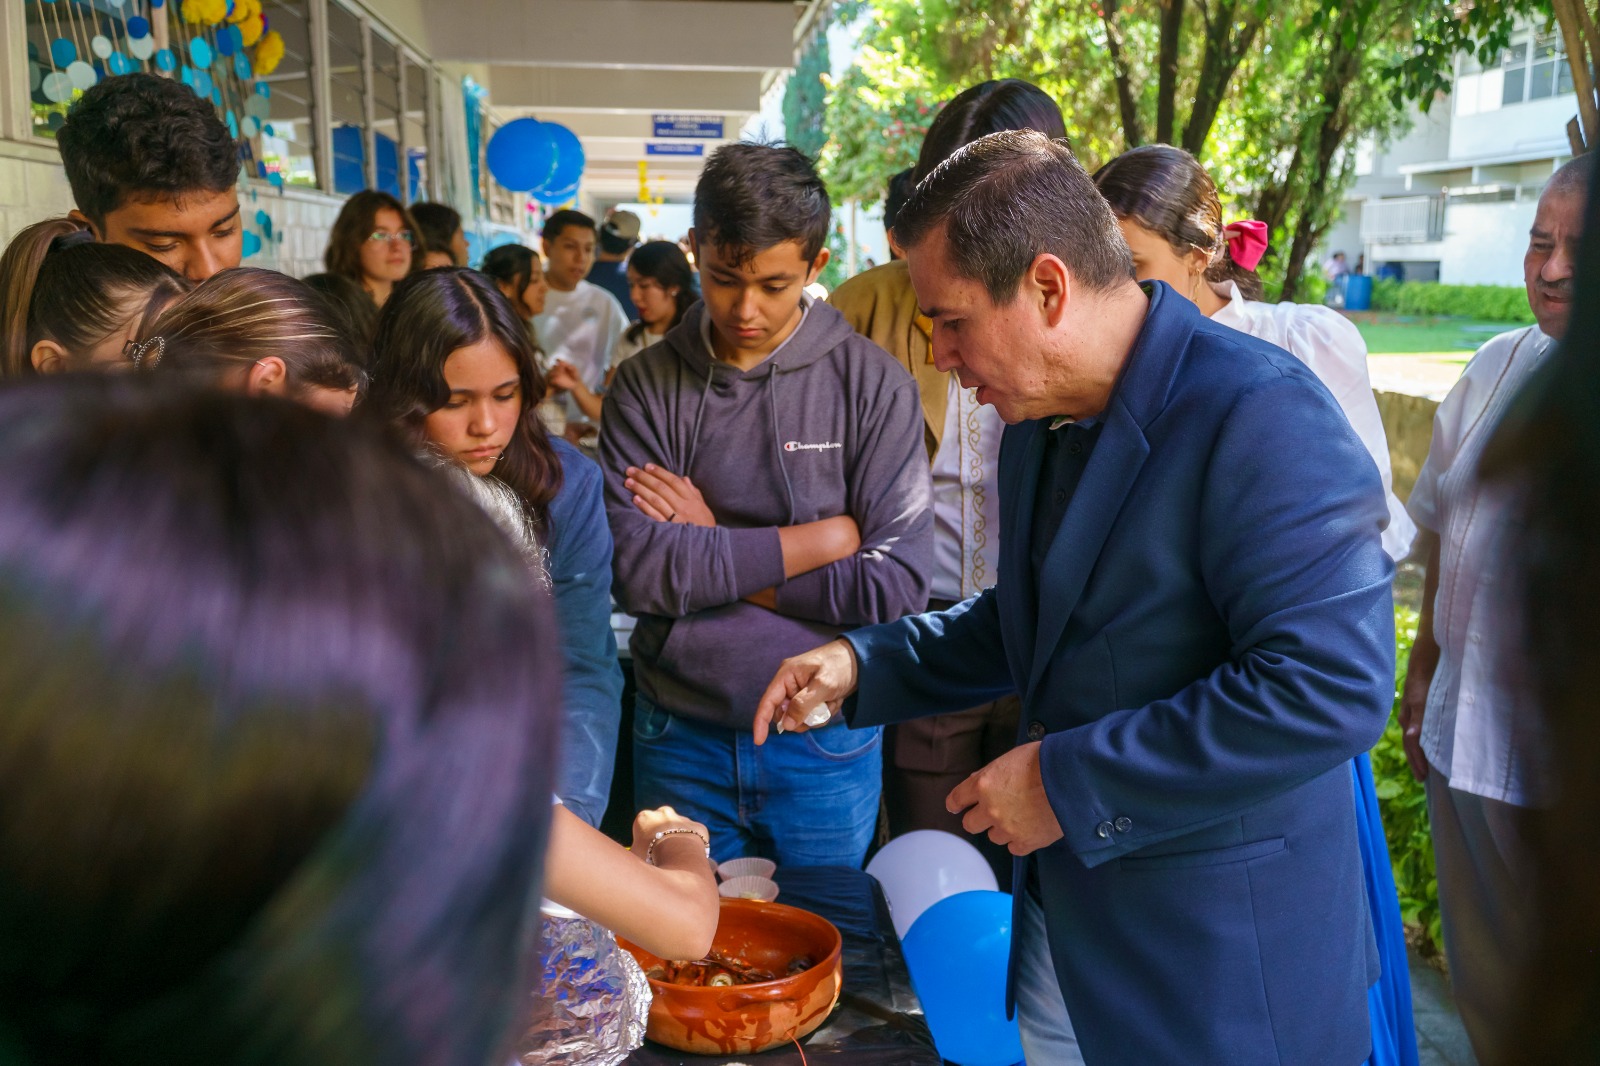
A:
[569, 158]
[553, 197]
[522, 155]
[957, 952]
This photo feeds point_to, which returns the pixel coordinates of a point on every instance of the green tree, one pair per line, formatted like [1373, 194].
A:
[805, 99]
[1272, 98]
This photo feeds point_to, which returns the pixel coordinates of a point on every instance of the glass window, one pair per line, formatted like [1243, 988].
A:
[416, 128]
[1516, 55]
[1563, 78]
[64, 44]
[348, 100]
[1512, 92]
[284, 123]
[386, 81]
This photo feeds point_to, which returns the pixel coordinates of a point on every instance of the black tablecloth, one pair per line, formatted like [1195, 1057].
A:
[878, 1021]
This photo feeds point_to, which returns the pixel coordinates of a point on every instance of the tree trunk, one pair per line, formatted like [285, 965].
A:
[1131, 131]
[1570, 16]
[1167, 68]
[1218, 64]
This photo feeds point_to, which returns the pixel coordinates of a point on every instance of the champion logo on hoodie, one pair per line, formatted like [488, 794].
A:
[796, 446]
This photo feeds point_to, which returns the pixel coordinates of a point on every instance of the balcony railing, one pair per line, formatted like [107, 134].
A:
[1407, 220]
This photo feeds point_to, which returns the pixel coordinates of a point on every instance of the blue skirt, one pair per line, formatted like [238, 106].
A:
[1394, 1034]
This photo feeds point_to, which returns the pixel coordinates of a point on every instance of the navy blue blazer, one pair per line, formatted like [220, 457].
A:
[1211, 641]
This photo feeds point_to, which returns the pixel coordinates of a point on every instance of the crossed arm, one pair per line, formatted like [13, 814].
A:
[663, 496]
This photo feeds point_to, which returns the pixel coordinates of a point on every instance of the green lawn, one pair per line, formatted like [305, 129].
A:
[1453, 339]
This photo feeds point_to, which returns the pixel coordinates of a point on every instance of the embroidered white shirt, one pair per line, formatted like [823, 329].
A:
[966, 497]
[1479, 729]
[1332, 347]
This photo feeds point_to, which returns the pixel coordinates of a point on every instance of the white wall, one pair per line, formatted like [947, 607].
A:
[1535, 126]
[1484, 243]
[33, 187]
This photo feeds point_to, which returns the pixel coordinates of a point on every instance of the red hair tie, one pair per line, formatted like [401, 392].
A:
[1247, 242]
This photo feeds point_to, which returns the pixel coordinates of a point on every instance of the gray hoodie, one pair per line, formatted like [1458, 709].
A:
[829, 424]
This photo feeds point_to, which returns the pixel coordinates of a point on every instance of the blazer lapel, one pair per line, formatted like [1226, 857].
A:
[1019, 481]
[1118, 456]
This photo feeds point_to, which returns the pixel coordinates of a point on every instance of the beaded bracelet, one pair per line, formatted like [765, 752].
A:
[650, 852]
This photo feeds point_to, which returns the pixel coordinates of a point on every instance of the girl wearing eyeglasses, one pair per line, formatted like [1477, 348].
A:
[374, 243]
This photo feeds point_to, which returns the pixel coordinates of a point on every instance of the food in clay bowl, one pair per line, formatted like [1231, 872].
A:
[772, 976]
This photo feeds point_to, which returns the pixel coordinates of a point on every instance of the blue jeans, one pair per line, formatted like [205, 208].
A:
[801, 799]
[1047, 1036]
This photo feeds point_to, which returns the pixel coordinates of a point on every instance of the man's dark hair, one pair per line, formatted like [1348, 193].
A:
[561, 220]
[138, 136]
[1006, 199]
[751, 197]
[436, 225]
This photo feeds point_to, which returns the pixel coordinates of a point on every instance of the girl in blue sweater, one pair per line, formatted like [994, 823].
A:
[454, 367]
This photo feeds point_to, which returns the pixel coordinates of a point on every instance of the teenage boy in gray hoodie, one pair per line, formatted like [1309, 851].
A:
[767, 488]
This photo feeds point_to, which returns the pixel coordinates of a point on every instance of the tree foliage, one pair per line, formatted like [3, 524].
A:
[1272, 97]
[805, 99]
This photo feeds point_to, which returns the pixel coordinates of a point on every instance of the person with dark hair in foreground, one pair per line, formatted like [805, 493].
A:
[350, 305]
[1468, 719]
[444, 242]
[927, 757]
[767, 488]
[260, 798]
[1547, 453]
[1193, 601]
[152, 166]
[1168, 210]
[68, 302]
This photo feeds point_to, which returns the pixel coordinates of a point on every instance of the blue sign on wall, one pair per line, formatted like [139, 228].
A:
[706, 127]
[674, 149]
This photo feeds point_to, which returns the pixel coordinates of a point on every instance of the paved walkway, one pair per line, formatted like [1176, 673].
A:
[1441, 1040]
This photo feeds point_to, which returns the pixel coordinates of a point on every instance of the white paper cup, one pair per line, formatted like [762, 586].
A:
[759, 888]
[750, 867]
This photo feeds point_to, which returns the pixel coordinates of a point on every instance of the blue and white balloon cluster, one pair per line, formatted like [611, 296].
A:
[543, 159]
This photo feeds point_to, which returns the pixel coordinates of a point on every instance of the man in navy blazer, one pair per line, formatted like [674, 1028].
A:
[1194, 602]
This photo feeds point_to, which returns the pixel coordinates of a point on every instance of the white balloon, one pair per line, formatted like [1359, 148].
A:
[920, 868]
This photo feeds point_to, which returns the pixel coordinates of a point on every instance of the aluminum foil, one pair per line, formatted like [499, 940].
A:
[591, 1001]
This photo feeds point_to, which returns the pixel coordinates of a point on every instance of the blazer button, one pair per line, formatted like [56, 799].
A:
[1103, 830]
[1122, 825]
[1036, 730]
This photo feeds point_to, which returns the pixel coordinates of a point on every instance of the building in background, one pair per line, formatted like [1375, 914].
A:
[1452, 201]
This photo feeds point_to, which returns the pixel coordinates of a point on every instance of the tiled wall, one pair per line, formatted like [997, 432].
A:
[32, 187]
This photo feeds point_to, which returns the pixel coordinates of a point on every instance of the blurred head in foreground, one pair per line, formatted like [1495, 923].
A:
[277, 718]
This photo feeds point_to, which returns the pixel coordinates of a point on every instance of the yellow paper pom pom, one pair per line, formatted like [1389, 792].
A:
[244, 9]
[269, 53]
[250, 31]
[209, 12]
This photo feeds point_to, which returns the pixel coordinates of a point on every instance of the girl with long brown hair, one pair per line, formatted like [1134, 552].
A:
[375, 243]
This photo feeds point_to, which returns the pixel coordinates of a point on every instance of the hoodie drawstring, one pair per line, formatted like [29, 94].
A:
[694, 434]
[772, 397]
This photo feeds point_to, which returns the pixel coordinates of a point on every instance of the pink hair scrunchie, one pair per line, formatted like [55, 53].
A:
[1247, 242]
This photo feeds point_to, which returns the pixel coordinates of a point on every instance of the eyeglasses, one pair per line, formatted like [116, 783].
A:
[384, 237]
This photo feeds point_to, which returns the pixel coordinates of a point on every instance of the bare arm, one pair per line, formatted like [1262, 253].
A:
[562, 376]
[670, 908]
[1421, 666]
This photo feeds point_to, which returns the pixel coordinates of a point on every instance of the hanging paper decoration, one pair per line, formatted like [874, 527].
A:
[205, 12]
[121, 64]
[251, 244]
[100, 45]
[142, 48]
[63, 52]
[138, 27]
[269, 53]
[82, 75]
[251, 29]
[165, 60]
[57, 87]
[200, 52]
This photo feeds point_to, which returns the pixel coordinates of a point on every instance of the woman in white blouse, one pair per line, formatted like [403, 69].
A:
[1170, 214]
